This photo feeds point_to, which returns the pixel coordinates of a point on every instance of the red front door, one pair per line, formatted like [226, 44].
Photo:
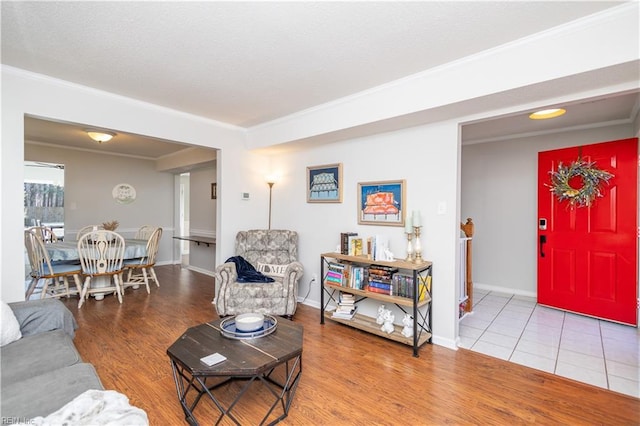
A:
[587, 256]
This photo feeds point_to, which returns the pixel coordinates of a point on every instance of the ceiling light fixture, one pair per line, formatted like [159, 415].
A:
[100, 136]
[547, 113]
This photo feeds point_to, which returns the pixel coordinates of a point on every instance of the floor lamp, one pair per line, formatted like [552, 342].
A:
[270, 181]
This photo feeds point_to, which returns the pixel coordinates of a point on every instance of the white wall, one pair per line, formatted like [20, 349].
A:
[202, 218]
[426, 157]
[499, 192]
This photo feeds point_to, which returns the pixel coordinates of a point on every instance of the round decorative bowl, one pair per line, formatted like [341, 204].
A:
[249, 322]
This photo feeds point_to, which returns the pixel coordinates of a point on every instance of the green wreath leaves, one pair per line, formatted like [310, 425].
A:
[592, 180]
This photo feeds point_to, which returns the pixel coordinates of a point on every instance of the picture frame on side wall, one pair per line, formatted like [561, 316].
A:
[324, 183]
[382, 203]
[214, 191]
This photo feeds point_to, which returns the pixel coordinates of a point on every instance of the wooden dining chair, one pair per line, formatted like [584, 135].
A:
[140, 269]
[101, 256]
[86, 229]
[43, 270]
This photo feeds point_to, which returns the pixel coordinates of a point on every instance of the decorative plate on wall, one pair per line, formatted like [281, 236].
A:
[124, 193]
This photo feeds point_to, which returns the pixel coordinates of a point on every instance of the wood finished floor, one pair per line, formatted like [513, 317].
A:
[349, 377]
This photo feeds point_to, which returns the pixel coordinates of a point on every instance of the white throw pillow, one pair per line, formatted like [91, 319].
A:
[10, 329]
[272, 270]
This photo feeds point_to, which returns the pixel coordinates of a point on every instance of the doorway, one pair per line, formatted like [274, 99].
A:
[44, 196]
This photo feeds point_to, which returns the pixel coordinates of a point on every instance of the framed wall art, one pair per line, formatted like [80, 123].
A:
[324, 183]
[124, 193]
[214, 191]
[381, 203]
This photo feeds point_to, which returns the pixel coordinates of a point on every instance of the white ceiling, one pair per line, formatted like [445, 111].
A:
[245, 63]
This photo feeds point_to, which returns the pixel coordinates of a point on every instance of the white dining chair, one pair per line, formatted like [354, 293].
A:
[140, 269]
[144, 232]
[43, 270]
[86, 229]
[101, 256]
[45, 233]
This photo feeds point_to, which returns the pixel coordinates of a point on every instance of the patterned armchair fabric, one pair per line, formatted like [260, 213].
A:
[261, 246]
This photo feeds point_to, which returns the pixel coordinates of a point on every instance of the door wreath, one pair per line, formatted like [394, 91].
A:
[591, 178]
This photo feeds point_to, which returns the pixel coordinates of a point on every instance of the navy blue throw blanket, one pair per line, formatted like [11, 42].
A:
[247, 273]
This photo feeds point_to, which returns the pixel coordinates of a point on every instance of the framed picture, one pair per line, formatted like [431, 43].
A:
[381, 203]
[214, 191]
[324, 183]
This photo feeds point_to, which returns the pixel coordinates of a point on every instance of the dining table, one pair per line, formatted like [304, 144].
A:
[67, 251]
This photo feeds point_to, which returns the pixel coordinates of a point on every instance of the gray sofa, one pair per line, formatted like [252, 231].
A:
[43, 371]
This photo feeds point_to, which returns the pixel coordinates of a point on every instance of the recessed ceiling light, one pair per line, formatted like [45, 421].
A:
[547, 113]
[100, 136]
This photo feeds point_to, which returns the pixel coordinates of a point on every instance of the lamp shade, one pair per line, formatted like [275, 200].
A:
[100, 136]
[271, 179]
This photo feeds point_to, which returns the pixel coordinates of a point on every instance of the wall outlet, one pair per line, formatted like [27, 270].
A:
[314, 278]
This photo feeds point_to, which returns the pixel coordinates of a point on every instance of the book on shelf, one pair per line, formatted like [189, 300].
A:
[343, 312]
[346, 308]
[344, 241]
[379, 247]
[403, 285]
[378, 290]
[356, 246]
[347, 299]
[359, 277]
[378, 284]
[424, 287]
[336, 266]
[335, 273]
[346, 279]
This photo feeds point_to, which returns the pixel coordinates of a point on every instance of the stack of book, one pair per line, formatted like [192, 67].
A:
[380, 279]
[335, 273]
[346, 308]
[403, 285]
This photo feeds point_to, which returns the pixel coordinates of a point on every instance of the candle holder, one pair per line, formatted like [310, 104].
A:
[409, 248]
[417, 246]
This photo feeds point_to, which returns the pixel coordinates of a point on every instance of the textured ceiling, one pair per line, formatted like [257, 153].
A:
[245, 63]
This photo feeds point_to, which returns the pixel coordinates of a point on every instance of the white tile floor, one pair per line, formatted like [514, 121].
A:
[517, 329]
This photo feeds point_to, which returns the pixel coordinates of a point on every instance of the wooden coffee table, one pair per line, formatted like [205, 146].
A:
[274, 360]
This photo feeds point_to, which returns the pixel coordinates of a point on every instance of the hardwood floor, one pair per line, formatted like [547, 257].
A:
[349, 377]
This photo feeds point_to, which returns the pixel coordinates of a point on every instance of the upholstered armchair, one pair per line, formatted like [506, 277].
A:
[275, 254]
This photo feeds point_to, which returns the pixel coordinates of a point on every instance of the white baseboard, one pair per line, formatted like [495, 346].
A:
[507, 290]
[200, 270]
[311, 303]
[447, 343]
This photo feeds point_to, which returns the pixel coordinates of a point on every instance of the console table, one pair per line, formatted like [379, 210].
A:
[197, 239]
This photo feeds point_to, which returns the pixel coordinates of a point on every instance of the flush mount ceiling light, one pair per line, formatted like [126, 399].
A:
[547, 113]
[100, 136]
